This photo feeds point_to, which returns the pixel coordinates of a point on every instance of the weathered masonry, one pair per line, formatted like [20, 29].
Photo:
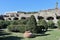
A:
[49, 14]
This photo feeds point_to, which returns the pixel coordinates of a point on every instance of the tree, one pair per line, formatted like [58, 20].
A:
[31, 24]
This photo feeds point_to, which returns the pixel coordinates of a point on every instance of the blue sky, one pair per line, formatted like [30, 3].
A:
[26, 5]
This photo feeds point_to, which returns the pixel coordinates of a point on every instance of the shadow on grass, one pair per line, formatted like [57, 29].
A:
[36, 35]
[42, 34]
[11, 38]
[49, 30]
[4, 33]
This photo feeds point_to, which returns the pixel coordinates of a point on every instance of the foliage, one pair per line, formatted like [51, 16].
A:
[58, 22]
[31, 24]
[23, 21]
[42, 26]
[17, 28]
[15, 22]
[17, 25]
[18, 22]
[4, 24]
[51, 24]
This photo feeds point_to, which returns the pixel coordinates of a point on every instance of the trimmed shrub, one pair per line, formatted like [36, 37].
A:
[4, 24]
[18, 22]
[15, 22]
[51, 24]
[23, 21]
[42, 26]
[23, 25]
[17, 25]
[16, 28]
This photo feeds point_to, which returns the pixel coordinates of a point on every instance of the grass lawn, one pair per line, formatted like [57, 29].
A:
[51, 34]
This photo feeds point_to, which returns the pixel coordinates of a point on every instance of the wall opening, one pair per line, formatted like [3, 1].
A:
[9, 18]
[50, 18]
[6, 15]
[40, 17]
[58, 17]
[15, 18]
[23, 17]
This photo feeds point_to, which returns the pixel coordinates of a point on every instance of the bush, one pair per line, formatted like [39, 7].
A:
[16, 28]
[4, 24]
[23, 21]
[23, 25]
[42, 26]
[51, 24]
[58, 22]
[18, 22]
[17, 25]
[15, 22]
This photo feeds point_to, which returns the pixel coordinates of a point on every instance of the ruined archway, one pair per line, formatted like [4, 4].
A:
[50, 18]
[9, 18]
[23, 17]
[57, 17]
[15, 18]
[40, 17]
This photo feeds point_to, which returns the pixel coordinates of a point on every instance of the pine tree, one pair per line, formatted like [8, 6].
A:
[31, 24]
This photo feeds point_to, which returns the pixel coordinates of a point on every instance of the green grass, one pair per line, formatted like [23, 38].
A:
[51, 34]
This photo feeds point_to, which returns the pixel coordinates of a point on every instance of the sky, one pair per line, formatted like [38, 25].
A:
[26, 5]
